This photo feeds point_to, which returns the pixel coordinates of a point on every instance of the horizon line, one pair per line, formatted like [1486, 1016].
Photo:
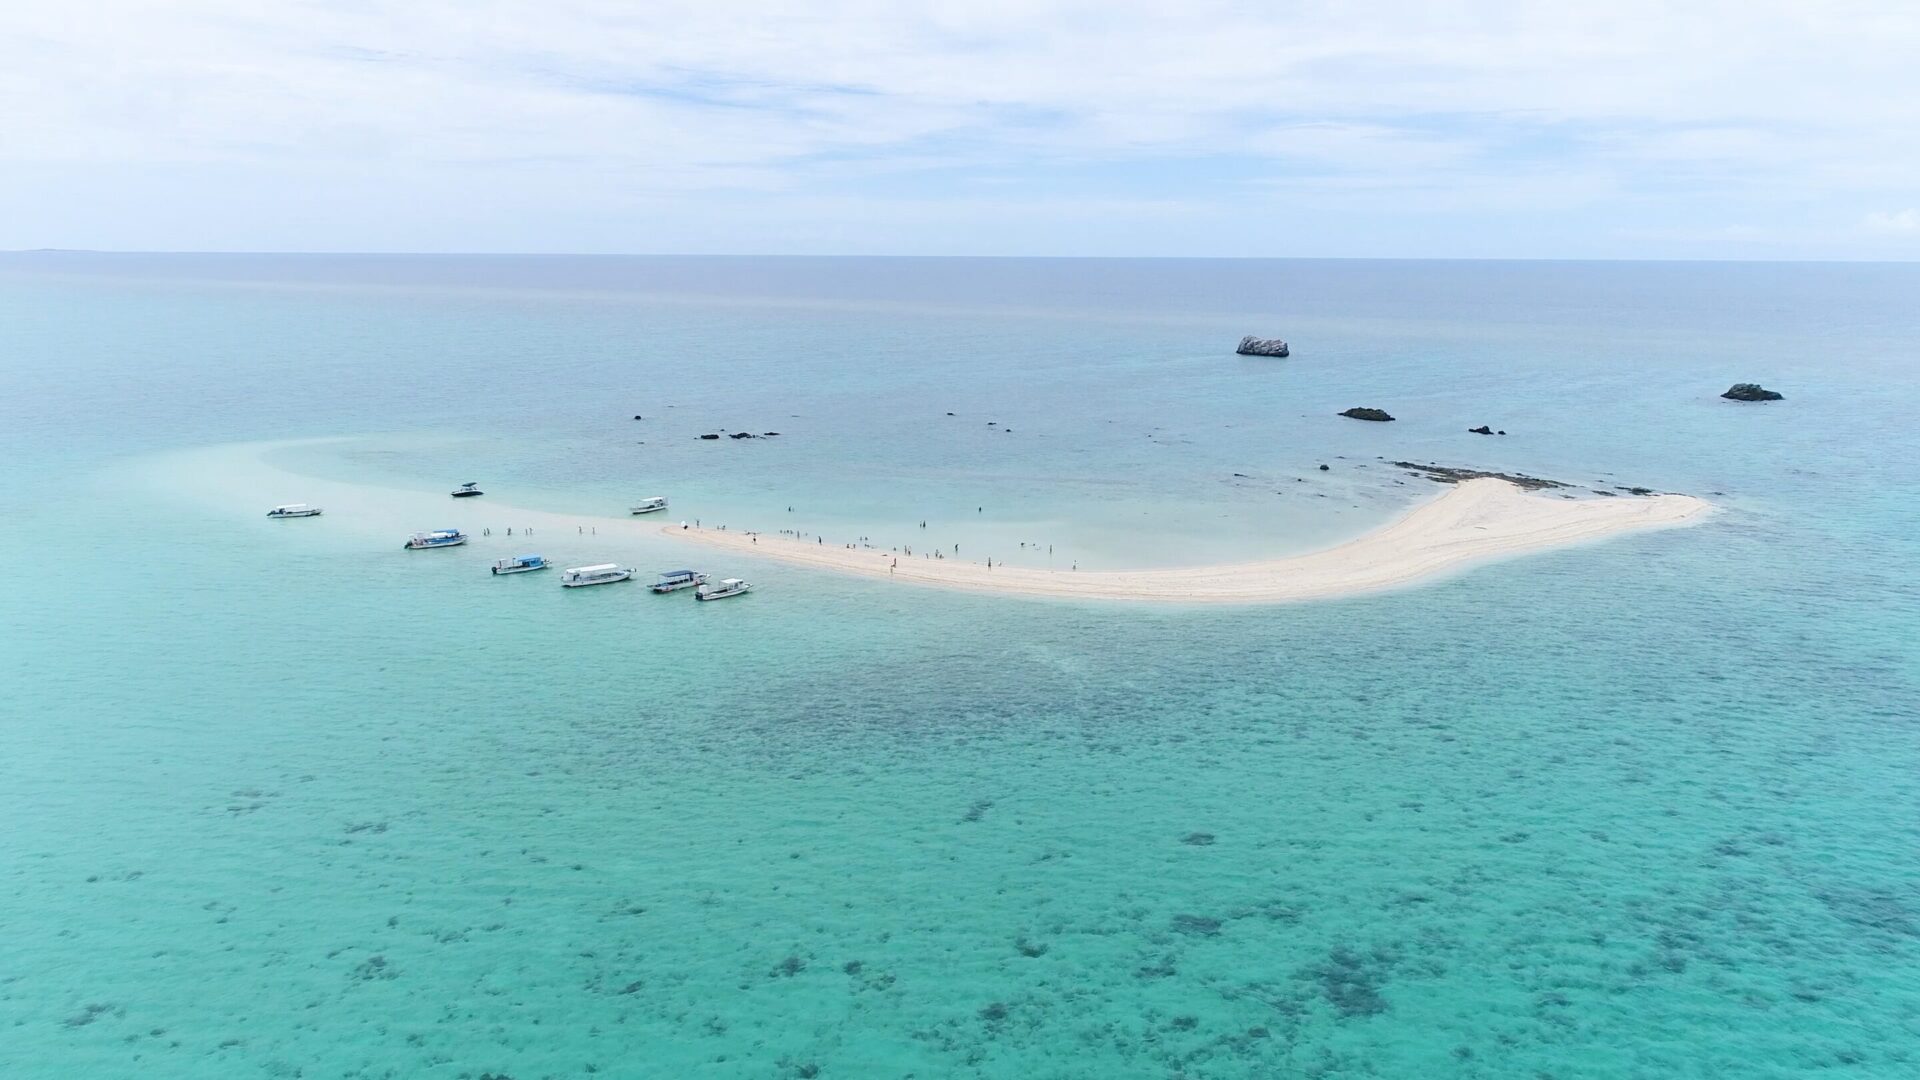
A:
[903, 256]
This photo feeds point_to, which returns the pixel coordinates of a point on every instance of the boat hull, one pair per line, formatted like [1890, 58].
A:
[596, 581]
[675, 586]
[302, 514]
[646, 509]
[722, 595]
[411, 546]
[517, 569]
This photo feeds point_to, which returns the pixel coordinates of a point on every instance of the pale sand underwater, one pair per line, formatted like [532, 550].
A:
[1473, 522]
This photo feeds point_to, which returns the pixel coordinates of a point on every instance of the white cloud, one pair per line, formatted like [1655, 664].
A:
[610, 104]
[1903, 222]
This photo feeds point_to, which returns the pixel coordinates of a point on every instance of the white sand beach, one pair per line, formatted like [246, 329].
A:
[1471, 522]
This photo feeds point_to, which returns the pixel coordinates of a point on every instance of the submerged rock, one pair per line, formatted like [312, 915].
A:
[1447, 475]
[1253, 346]
[1358, 413]
[1748, 391]
[709, 436]
[1481, 430]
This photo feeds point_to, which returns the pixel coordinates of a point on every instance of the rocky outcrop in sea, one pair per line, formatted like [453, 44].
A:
[1358, 413]
[1253, 346]
[1747, 391]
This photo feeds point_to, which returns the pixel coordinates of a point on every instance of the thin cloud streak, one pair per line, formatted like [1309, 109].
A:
[615, 126]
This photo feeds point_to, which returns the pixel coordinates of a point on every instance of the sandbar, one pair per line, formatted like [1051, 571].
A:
[1472, 522]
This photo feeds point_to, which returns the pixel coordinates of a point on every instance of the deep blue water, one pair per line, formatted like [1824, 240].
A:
[284, 800]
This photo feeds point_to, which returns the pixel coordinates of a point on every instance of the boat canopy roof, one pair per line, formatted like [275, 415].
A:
[732, 581]
[529, 558]
[676, 573]
[594, 569]
[291, 506]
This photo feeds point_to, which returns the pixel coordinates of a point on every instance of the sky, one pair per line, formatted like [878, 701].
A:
[1661, 129]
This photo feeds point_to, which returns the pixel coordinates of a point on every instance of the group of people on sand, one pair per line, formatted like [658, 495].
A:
[866, 542]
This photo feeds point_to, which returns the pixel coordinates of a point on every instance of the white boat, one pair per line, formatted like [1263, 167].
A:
[467, 491]
[520, 564]
[292, 510]
[651, 505]
[675, 580]
[600, 574]
[732, 586]
[438, 538]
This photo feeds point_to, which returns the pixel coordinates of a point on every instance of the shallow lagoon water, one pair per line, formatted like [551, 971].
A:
[285, 800]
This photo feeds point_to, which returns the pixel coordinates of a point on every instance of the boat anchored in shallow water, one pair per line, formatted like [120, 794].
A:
[651, 505]
[520, 564]
[467, 490]
[294, 510]
[600, 574]
[732, 586]
[675, 580]
[438, 538]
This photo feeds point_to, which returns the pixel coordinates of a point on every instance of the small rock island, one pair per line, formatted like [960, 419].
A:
[1747, 391]
[1253, 346]
[1358, 413]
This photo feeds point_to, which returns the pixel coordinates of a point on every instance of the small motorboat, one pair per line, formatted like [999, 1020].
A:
[438, 538]
[675, 580]
[599, 574]
[732, 586]
[651, 505]
[294, 510]
[520, 564]
[467, 491]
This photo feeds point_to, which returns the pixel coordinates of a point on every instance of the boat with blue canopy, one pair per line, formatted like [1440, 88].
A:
[520, 564]
[438, 538]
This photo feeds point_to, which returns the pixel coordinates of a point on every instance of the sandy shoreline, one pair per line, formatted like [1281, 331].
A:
[1471, 522]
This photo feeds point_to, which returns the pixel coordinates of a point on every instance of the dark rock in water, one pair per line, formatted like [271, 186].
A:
[743, 435]
[1503, 432]
[1481, 430]
[1445, 475]
[1367, 414]
[709, 436]
[1253, 346]
[1198, 839]
[1325, 468]
[769, 434]
[1747, 391]
[637, 416]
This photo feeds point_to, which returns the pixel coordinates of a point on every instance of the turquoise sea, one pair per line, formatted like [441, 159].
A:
[282, 800]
